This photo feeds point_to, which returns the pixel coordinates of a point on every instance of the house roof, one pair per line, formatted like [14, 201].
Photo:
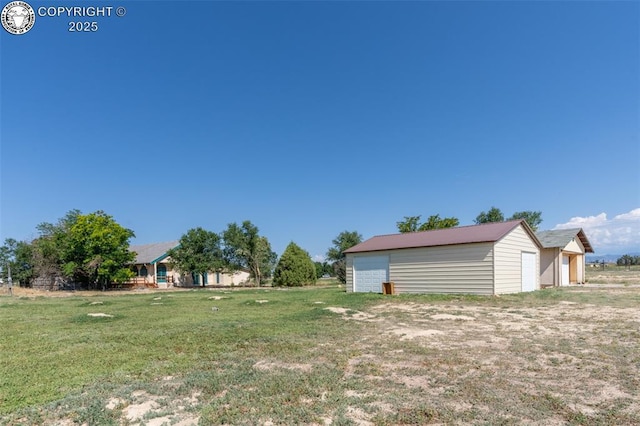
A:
[152, 253]
[484, 233]
[562, 237]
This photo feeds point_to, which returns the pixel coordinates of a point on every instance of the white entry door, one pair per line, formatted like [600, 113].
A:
[369, 272]
[565, 271]
[528, 271]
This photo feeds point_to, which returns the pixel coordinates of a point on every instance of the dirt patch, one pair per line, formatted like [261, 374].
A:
[349, 314]
[575, 359]
[150, 410]
[452, 317]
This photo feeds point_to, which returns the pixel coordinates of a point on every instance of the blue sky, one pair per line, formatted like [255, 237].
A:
[310, 118]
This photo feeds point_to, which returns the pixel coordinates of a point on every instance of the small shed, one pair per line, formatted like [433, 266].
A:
[562, 258]
[487, 259]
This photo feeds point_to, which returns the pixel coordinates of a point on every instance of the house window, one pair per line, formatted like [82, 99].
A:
[217, 277]
[196, 278]
[143, 272]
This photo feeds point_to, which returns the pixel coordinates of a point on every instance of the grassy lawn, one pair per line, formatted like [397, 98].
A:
[321, 356]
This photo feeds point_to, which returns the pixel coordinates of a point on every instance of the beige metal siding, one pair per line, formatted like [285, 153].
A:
[349, 260]
[508, 260]
[463, 268]
[549, 260]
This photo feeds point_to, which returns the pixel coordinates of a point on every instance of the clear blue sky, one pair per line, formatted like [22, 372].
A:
[310, 118]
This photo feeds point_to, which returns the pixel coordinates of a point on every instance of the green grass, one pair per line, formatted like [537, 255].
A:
[291, 361]
[51, 347]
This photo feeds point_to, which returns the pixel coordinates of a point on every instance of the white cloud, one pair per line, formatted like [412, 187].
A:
[318, 258]
[609, 236]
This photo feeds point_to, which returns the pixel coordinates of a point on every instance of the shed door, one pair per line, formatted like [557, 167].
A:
[565, 271]
[369, 273]
[528, 271]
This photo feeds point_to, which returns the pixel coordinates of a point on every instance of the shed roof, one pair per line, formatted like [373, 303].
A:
[152, 253]
[562, 237]
[484, 233]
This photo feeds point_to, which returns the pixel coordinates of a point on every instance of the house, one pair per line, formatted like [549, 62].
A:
[562, 258]
[487, 259]
[152, 268]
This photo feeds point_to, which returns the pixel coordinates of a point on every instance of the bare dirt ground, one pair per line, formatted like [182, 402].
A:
[566, 362]
[613, 275]
[29, 292]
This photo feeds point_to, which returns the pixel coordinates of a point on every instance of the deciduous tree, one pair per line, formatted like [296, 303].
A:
[342, 242]
[52, 243]
[412, 223]
[245, 248]
[493, 215]
[97, 251]
[533, 219]
[322, 269]
[198, 252]
[17, 255]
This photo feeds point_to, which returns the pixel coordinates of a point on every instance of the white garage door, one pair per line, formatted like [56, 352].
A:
[528, 271]
[369, 273]
[565, 271]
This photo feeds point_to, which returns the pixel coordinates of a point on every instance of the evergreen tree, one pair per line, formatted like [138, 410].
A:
[295, 268]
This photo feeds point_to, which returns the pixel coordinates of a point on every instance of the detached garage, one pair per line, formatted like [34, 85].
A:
[493, 258]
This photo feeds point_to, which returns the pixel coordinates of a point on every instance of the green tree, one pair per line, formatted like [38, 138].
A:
[295, 268]
[244, 248]
[409, 224]
[322, 269]
[533, 219]
[96, 252]
[493, 215]
[412, 223]
[52, 243]
[198, 252]
[627, 260]
[335, 254]
[17, 255]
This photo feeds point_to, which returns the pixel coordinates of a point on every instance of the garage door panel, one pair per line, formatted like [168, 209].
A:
[370, 272]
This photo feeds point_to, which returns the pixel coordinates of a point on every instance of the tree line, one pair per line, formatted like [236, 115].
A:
[93, 250]
[494, 214]
[628, 260]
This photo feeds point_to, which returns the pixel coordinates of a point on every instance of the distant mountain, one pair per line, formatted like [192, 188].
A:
[608, 258]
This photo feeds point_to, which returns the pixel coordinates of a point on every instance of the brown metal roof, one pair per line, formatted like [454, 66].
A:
[485, 233]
